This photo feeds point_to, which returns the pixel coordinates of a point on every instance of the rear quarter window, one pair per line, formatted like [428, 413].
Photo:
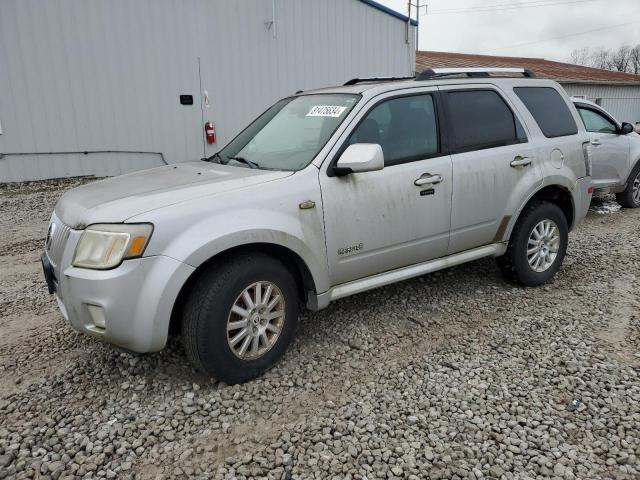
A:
[549, 110]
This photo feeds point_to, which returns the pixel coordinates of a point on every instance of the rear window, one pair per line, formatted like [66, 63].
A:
[549, 109]
[481, 119]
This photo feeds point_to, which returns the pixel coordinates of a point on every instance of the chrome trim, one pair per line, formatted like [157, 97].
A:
[386, 278]
[57, 237]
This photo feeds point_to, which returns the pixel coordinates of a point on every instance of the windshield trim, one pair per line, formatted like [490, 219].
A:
[289, 99]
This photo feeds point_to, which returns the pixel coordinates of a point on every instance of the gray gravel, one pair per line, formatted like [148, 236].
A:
[453, 375]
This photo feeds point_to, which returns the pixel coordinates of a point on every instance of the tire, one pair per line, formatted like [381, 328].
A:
[208, 310]
[515, 264]
[630, 198]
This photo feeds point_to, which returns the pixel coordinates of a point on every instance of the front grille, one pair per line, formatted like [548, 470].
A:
[57, 237]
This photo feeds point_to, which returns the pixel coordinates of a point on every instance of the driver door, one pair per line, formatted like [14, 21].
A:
[400, 215]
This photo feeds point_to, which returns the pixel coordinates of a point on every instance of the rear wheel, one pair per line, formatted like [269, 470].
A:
[240, 317]
[537, 245]
[630, 198]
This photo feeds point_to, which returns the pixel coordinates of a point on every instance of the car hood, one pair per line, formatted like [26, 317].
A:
[117, 199]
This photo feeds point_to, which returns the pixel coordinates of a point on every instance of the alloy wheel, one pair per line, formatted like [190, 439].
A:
[543, 245]
[256, 320]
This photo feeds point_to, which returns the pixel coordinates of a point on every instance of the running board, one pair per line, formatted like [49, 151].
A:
[405, 273]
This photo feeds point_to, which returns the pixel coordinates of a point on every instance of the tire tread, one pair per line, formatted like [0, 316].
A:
[508, 262]
[207, 290]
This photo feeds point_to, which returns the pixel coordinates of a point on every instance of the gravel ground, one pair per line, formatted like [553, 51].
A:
[453, 375]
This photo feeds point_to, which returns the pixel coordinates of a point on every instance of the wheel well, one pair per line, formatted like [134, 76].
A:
[561, 197]
[289, 258]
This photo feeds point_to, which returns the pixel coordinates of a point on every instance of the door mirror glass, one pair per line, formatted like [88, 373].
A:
[360, 157]
[626, 129]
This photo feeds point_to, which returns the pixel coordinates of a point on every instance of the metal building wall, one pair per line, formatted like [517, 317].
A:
[104, 77]
[622, 101]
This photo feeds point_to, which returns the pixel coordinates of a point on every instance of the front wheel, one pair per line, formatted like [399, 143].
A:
[241, 317]
[630, 198]
[537, 245]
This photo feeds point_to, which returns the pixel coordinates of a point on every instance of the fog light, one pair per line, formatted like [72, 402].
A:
[97, 316]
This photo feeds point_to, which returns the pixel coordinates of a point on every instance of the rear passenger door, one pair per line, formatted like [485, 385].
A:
[494, 165]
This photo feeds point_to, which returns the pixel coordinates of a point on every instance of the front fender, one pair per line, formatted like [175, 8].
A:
[194, 232]
[634, 153]
[205, 244]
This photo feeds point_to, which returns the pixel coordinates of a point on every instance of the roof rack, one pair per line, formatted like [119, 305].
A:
[355, 81]
[433, 73]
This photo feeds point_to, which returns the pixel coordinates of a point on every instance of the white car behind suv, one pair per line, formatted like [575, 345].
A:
[615, 152]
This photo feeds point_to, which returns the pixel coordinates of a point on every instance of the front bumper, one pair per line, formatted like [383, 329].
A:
[129, 306]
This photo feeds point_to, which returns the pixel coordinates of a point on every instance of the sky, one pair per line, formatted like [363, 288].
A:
[526, 28]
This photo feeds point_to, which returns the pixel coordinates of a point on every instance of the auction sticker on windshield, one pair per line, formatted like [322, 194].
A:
[326, 111]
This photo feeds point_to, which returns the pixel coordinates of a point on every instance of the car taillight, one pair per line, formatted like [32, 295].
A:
[586, 151]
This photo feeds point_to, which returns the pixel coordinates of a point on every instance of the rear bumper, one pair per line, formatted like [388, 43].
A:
[582, 199]
[129, 306]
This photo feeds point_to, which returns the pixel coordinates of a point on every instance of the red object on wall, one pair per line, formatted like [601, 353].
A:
[210, 132]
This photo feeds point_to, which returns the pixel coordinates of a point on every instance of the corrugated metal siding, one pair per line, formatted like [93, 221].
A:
[622, 101]
[80, 76]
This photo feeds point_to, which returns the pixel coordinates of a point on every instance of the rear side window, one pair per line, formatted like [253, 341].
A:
[549, 109]
[480, 119]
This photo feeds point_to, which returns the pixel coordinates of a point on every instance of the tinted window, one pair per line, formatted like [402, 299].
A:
[596, 122]
[549, 109]
[481, 119]
[404, 127]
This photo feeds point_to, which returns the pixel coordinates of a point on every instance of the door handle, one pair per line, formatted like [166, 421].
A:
[428, 179]
[596, 143]
[521, 161]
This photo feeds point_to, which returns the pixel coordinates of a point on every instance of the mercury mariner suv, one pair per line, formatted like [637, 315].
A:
[327, 194]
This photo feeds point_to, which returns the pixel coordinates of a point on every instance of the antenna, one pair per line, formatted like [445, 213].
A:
[418, 7]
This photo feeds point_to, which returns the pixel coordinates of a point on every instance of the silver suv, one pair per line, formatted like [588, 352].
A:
[326, 194]
[615, 153]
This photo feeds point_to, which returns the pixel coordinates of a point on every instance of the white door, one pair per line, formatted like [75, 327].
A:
[609, 150]
[383, 220]
[494, 165]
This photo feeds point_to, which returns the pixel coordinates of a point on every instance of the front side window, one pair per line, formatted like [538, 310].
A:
[480, 119]
[291, 133]
[549, 110]
[596, 122]
[405, 128]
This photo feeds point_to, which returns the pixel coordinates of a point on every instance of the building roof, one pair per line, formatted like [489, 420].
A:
[390, 11]
[560, 72]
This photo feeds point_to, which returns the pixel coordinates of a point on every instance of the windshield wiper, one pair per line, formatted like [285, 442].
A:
[243, 160]
[212, 158]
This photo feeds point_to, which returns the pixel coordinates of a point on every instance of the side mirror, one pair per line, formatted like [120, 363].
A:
[360, 157]
[626, 128]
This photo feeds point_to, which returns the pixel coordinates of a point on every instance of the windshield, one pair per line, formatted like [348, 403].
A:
[291, 133]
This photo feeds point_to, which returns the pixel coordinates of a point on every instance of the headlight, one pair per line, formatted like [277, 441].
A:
[105, 246]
